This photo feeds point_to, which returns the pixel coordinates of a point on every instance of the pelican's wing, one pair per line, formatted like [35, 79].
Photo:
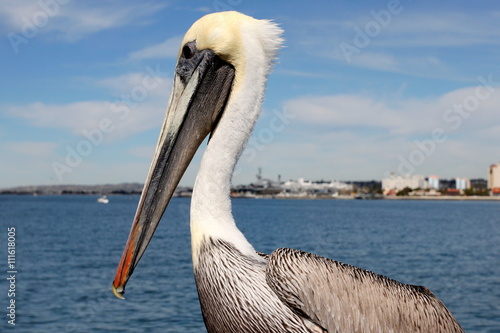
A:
[344, 298]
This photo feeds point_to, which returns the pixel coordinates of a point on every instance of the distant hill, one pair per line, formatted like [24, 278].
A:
[107, 189]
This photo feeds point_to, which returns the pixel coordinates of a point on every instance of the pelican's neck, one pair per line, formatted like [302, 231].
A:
[211, 215]
[256, 43]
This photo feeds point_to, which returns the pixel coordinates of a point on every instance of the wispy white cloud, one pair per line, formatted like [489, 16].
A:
[15, 13]
[453, 111]
[139, 105]
[145, 152]
[411, 42]
[26, 162]
[83, 117]
[343, 110]
[125, 83]
[32, 148]
[453, 29]
[489, 134]
[300, 73]
[374, 60]
[422, 65]
[167, 49]
[73, 117]
[73, 20]
[411, 28]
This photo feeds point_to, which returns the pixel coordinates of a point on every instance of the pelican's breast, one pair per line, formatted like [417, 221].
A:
[234, 295]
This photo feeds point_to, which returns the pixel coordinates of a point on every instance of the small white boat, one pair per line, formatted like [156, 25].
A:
[104, 199]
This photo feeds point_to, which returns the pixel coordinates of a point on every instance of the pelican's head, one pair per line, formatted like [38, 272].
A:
[222, 56]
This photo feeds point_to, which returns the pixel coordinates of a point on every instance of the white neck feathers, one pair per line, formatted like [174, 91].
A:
[211, 206]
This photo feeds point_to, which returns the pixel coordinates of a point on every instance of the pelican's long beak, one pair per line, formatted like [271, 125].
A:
[200, 91]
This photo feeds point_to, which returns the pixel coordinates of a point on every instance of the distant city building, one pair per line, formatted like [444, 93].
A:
[479, 183]
[462, 183]
[302, 185]
[494, 178]
[291, 188]
[445, 184]
[397, 182]
[433, 182]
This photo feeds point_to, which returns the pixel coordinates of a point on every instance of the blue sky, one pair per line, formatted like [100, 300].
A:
[361, 89]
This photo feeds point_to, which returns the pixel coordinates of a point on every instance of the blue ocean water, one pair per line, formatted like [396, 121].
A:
[68, 247]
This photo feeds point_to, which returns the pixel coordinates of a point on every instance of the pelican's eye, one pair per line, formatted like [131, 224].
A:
[188, 50]
[188, 61]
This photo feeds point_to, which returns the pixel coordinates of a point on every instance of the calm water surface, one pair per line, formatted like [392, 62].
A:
[68, 248]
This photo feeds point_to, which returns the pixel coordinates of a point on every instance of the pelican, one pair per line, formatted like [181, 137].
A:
[218, 89]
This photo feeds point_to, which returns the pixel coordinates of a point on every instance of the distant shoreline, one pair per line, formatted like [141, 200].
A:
[351, 197]
[265, 197]
[136, 189]
[445, 197]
